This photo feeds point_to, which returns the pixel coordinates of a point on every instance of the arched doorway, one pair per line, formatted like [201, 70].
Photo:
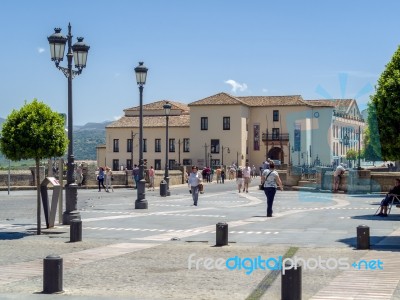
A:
[276, 153]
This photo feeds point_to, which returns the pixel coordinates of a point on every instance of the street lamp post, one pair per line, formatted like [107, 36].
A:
[359, 147]
[227, 150]
[167, 110]
[78, 52]
[141, 202]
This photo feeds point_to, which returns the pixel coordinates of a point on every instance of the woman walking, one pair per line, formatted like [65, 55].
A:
[108, 180]
[100, 178]
[270, 178]
[194, 181]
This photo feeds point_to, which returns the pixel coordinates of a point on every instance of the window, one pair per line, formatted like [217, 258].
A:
[226, 123]
[204, 123]
[115, 164]
[186, 143]
[171, 164]
[171, 145]
[275, 133]
[275, 115]
[144, 145]
[157, 164]
[116, 145]
[129, 145]
[214, 146]
[157, 145]
[129, 164]
[187, 162]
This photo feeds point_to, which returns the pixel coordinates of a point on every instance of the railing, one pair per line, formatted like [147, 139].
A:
[275, 137]
[347, 116]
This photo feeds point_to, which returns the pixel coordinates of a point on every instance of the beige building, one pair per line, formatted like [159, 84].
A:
[226, 129]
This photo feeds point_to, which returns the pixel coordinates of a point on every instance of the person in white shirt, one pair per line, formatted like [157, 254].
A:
[194, 180]
[336, 177]
[247, 177]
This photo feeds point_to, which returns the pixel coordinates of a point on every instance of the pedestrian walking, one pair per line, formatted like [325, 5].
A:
[239, 178]
[218, 172]
[270, 179]
[246, 177]
[151, 177]
[135, 174]
[222, 175]
[109, 180]
[194, 181]
[100, 178]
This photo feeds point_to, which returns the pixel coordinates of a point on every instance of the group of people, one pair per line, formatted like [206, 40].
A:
[105, 173]
[136, 177]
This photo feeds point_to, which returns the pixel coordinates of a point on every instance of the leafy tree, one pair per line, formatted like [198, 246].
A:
[33, 132]
[387, 105]
[371, 151]
[351, 154]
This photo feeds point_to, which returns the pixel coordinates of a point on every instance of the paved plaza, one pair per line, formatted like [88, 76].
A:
[159, 253]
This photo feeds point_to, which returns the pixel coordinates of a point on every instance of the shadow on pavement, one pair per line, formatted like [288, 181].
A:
[6, 235]
[392, 243]
[390, 217]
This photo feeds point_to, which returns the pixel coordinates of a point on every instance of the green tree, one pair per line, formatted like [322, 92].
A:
[371, 151]
[351, 154]
[387, 105]
[33, 132]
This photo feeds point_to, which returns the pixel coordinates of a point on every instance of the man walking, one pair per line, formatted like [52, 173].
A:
[247, 177]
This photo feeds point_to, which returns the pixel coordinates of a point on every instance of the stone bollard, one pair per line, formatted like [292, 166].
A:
[75, 231]
[221, 234]
[52, 274]
[291, 282]
[362, 237]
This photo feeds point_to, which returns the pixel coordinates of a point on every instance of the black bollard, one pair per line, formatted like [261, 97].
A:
[291, 282]
[75, 231]
[221, 234]
[52, 274]
[362, 237]
[163, 188]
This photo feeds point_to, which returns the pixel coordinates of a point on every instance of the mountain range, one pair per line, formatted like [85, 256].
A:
[86, 138]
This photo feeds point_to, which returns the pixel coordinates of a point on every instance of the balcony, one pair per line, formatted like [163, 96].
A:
[275, 137]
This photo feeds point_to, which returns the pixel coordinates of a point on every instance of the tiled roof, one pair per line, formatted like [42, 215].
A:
[158, 105]
[339, 104]
[273, 100]
[226, 99]
[218, 99]
[151, 121]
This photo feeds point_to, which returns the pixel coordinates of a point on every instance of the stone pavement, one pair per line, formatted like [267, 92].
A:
[168, 252]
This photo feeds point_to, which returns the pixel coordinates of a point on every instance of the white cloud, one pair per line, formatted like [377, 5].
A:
[40, 50]
[117, 117]
[264, 90]
[236, 86]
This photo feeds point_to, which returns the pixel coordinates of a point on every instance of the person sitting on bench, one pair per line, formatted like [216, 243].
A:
[389, 197]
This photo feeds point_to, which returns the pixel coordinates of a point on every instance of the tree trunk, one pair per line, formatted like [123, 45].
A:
[38, 208]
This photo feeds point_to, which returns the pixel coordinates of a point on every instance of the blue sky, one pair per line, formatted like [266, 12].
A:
[194, 49]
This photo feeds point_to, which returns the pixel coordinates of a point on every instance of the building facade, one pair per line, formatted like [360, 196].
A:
[224, 129]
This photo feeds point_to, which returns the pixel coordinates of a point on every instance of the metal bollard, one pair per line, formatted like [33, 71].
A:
[291, 282]
[75, 231]
[52, 274]
[362, 237]
[163, 188]
[221, 234]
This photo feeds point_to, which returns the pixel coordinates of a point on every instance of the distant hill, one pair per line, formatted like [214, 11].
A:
[86, 139]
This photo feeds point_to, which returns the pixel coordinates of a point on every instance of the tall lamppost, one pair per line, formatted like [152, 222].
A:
[227, 150]
[359, 147]
[167, 110]
[78, 52]
[141, 202]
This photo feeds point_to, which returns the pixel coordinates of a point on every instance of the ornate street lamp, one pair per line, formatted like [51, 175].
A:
[78, 52]
[141, 202]
[227, 150]
[167, 110]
